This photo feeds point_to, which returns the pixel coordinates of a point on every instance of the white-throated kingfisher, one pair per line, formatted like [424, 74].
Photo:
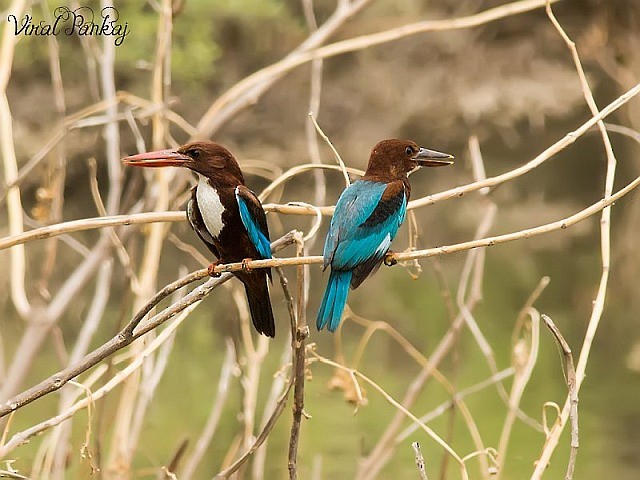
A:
[366, 219]
[226, 215]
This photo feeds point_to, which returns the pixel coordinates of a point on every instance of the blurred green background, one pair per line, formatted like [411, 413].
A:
[513, 84]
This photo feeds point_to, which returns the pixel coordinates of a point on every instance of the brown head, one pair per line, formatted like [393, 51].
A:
[394, 159]
[206, 158]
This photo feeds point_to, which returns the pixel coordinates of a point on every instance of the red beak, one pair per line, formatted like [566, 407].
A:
[159, 158]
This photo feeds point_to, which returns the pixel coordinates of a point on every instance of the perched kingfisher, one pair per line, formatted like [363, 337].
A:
[226, 215]
[366, 219]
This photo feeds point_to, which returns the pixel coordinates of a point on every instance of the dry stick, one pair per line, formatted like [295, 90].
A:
[457, 401]
[228, 367]
[383, 449]
[476, 259]
[298, 363]
[7, 149]
[605, 239]
[447, 249]
[121, 251]
[84, 119]
[262, 437]
[400, 408]
[24, 436]
[255, 357]
[622, 130]
[343, 167]
[277, 386]
[57, 163]
[520, 380]
[130, 332]
[297, 170]
[233, 267]
[280, 404]
[419, 460]
[314, 106]
[91, 223]
[549, 152]
[247, 91]
[445, 406]
[570, 378]
[131, 404]
[474, 265]
[526, 233]
[124, 338]
[62, 433]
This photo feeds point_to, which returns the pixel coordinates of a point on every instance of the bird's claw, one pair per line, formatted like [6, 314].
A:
[211, 270]
[389, 259]
[245, 264]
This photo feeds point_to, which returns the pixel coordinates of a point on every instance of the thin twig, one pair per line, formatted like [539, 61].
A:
[314, 106]
[343, 167]
[605, 247]
[570, 377]
[401, 409]
[22, 437]
[281, 402]
[419, 460]
[129, 333]
[525, 357]
[248, 90]
[444, 406]
[298, 364]
[88, 224]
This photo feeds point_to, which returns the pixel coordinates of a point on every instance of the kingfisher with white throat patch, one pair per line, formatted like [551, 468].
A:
[366, 220]
[226, 215]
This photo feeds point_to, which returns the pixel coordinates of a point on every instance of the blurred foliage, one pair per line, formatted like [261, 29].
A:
[512, 83]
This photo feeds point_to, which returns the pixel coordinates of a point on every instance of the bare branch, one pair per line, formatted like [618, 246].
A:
[129, 333]
[570, 377]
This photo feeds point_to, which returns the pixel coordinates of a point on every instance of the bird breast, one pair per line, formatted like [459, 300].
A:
[210, 206]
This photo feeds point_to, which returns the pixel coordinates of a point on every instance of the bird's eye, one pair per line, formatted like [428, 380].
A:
[409, 151]
[194, 153]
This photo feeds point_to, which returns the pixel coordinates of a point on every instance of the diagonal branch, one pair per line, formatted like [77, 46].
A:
[132, 331]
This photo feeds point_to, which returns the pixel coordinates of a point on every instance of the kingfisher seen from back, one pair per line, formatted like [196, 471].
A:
[366, 219]
[226, 215]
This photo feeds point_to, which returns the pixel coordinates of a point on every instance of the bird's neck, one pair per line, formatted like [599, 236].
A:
[221, 181]
[384, 176]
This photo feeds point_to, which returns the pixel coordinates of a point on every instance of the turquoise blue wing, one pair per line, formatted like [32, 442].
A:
[254, 220]
[364, 224]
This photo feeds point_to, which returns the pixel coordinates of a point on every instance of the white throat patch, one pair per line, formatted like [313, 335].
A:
[211, 207]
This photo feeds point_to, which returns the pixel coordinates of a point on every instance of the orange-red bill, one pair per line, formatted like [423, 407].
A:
[159, 158]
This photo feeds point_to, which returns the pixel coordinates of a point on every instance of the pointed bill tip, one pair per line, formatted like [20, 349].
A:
[159, 158]
[433, 158]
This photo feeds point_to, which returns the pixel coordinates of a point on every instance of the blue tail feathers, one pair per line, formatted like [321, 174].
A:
[334, 300]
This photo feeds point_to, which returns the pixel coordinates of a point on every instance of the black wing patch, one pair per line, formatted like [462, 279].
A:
[364, 270]
[389, 204]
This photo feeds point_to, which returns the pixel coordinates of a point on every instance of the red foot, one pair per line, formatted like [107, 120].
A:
[211, 268]
[245, 264]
